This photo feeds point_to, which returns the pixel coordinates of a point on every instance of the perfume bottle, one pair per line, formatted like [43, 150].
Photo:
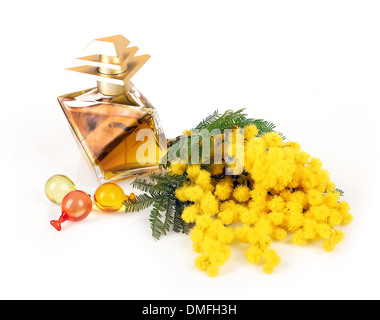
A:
[115, 125]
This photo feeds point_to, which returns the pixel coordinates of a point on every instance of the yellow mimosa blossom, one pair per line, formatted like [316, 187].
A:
[254, 254]
[283, 193]
[178, 168]
[204, 180]
[271, 261]
[217, 169]
[241, 193]
[250, 132]
[193, 171]
[224, 189]
[190, 213]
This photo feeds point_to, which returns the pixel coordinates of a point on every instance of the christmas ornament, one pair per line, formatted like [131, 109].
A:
[57, 187]
[109, 197]
[76, 206]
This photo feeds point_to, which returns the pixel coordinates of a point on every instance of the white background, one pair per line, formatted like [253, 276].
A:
[311, 67]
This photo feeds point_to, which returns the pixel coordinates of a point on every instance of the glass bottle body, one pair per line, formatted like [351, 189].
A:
[114, 130]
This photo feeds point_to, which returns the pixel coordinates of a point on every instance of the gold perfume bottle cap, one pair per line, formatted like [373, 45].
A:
[111, 63]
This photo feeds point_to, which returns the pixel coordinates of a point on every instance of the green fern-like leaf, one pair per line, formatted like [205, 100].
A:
[177, 222]
[208, 120]
[179, 225]
[169, 213]
[143, 185]
[228, 120]
[263, 126]
[156, 224]
[159, 190]
[140, 202]
[186, 227]
[152, 186]
[233, 120]
[167, 179]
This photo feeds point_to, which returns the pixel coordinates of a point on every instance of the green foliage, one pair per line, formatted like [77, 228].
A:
[226, 121]
[208, 120]
[156, 224]
[141, 202]
[233, 120]
[159, 188]
[159, 183]
[159, 193]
